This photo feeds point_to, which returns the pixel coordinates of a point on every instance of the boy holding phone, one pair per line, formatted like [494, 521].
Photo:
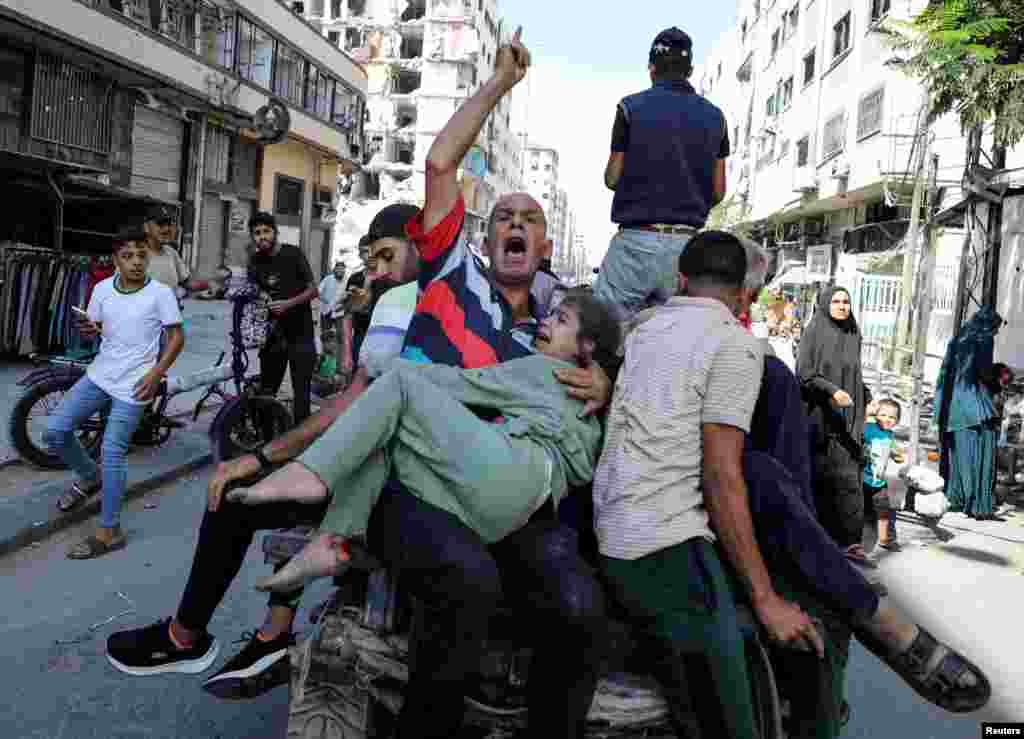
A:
[130, 310]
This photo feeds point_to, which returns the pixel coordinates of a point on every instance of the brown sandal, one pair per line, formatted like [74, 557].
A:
[77, 495]
[91, 547]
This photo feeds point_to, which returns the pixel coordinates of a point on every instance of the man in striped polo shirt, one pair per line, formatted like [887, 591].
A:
[671, 470]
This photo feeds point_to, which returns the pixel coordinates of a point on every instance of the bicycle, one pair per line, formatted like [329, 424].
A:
[245, 422]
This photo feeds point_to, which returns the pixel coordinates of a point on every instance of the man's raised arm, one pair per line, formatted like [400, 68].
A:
[455, 140]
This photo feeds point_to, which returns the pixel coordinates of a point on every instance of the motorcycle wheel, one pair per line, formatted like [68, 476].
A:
[29, 417]
[243, 425]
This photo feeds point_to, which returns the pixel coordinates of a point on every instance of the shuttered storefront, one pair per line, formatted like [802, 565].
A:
[211, 235]
[157, 141]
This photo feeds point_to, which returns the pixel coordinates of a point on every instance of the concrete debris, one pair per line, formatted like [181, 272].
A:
[88, 634]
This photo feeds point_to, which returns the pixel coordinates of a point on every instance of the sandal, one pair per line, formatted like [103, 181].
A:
[92, 547]
[77, 495]
[934, 670]
[890, 546]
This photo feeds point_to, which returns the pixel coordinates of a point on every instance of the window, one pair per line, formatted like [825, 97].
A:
[879, 9]
[775, 41]
[255, 53]
[786, 93]
[334, 37]
[288, 196]
[834, 137]
[335, 8]
[289, 70]
[809, 62]
[793, 20]
[841, 39]
[771, 107]
[217, 36]
[803, 151]
[311, 103]
[869, 113]
[324, 96]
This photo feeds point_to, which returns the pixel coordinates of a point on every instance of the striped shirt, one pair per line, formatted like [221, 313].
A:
[462, 319]
[687, 363]
[388, 324]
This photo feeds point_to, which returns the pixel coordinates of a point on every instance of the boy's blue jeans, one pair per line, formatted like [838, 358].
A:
[83, 400]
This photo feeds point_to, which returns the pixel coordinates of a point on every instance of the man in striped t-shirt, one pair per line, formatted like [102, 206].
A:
[670, 477]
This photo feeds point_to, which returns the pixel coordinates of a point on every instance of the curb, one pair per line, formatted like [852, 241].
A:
[31, 534]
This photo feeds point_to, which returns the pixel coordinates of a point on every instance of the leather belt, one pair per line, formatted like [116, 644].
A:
[664, 228]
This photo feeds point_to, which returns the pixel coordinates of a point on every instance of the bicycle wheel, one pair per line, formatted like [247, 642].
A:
[29, 417]
[243, 425]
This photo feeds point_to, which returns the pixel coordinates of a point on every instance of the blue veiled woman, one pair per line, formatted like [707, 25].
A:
[967, 418]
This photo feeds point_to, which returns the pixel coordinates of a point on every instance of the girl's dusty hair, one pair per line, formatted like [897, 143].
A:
[596, 324]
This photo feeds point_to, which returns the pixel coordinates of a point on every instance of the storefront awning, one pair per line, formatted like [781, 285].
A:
[78, 187]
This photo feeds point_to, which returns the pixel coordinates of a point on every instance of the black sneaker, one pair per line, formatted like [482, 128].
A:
[259, 667]
[150, 651]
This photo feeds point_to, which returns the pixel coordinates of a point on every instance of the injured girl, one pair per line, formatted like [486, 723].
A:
[415, 424]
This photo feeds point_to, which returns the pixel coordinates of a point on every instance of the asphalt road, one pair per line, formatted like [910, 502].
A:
[968, 591]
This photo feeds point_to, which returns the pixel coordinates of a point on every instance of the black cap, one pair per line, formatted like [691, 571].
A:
[390, 222]
[672, 41]
[161, 214]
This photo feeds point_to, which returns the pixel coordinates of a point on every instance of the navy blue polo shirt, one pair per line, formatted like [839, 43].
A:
[671, 138]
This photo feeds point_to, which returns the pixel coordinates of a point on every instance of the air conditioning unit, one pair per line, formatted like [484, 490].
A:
[804, 180]
[840, 168]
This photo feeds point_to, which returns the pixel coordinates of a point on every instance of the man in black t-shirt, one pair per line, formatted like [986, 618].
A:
[282, 270]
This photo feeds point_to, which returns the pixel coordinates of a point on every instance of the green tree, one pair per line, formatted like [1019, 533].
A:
[968, 54]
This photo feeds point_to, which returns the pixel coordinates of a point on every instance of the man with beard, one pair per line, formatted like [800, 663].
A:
[283, 271]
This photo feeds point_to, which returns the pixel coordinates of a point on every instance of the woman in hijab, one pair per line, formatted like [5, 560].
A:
[968, 428]
[835, 399]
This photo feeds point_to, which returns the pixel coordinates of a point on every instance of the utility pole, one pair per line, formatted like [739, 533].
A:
[923, 143]
[923, 317]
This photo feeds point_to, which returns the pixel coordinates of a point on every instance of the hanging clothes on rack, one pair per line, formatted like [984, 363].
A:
[37, 289]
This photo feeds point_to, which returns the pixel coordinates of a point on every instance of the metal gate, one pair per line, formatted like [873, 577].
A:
[157, 141]
[211, 235]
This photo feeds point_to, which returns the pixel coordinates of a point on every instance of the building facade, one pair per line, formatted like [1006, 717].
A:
[122, 103]
[424, 58]
[824, 136]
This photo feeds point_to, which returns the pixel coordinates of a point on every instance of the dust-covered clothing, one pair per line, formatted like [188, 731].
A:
[413, 422]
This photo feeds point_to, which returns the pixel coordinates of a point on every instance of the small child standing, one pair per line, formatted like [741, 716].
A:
[883, 416]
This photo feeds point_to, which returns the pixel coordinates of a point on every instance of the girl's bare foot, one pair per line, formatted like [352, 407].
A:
[291, 482]
[326, 555]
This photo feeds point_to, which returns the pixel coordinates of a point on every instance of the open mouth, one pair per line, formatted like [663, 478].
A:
[515, 246]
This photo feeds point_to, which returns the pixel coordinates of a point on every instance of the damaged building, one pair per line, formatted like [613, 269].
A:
[423, 59]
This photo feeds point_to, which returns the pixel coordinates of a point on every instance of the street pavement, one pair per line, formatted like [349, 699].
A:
[966, 590]
[58, 690]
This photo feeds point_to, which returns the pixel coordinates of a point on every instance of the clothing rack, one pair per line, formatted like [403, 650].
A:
[38, 286]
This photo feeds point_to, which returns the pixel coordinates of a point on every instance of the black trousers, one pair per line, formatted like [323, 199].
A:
[224, 539]
[298, 354]
[839, 494]
[460, 581]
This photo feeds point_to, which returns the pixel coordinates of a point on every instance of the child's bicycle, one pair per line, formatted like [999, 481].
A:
[245, 422]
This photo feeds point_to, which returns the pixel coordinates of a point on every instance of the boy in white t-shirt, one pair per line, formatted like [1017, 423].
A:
[129, 311]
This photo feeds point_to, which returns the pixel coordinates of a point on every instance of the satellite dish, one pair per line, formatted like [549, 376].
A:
[272, 122]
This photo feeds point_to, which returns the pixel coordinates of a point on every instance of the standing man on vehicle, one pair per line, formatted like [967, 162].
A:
[283, 271]
[667, 168]
[330, 292]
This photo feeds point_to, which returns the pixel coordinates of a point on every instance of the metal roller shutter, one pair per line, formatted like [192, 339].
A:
[157, 141]
[211, 236]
